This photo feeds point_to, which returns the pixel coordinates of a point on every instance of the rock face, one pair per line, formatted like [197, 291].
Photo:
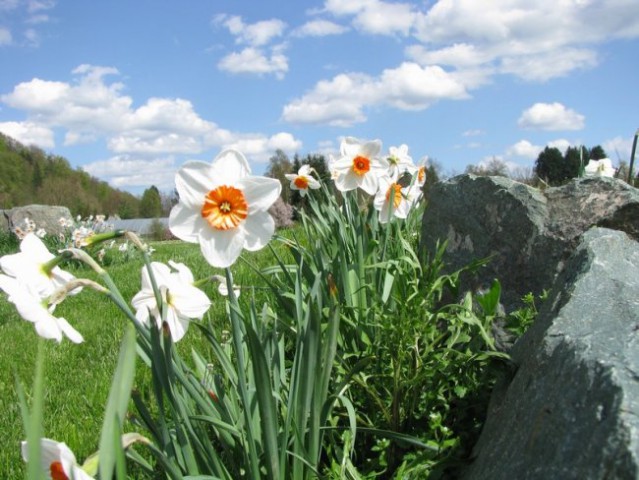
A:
[44, 216]
[571, 410]
[528, 233]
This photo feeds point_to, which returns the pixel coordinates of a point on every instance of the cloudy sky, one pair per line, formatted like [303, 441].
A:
[129, 90]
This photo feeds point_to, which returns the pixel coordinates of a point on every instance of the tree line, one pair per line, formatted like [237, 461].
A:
[30, 176]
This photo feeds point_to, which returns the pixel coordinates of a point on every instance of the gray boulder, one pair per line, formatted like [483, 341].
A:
[571, 410]
[527, 233]
[44, 216]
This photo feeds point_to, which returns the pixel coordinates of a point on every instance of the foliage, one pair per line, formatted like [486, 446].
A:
[151, 203]
[28, 175]
[407, 359]
[555, 169]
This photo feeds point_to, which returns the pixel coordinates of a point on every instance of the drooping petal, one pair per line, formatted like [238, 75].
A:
[259, 228]
[260, 192]
[70, 332]
[221, 248]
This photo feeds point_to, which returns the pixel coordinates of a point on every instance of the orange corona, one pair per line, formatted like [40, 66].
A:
[57, 472]
[224, 208]
[301, 182]
[396, 191]
[361, 165]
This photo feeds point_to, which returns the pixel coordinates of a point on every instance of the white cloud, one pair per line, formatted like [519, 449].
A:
[255, 34]
[29, 133]
[5, 36]
[319, 28]
[550, 116]
[375, 16]
[472, 133]
[525, 149]
[560, 144]
[533, 40]
[253, 60]
[619, 148]
[124, 171]
[341, 100]
[89, 109]
[260, 148]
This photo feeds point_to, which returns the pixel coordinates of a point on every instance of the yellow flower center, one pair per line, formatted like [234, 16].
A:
[393, 160]
[224, 208]
[361, 165]
[57, 472]
[301, 182]
[395, 190]
[421, 174]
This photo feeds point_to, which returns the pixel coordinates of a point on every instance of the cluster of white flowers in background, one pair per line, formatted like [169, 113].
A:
[600, 168]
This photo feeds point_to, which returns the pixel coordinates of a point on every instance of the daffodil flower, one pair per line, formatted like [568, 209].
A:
[223, 288]
[223, 207]
[33, 308]
[303, 180]
[184, 301]
[399, 162]
[359, 165]
[600, 168]
[58, 461]
[36, 266]
[392, 197]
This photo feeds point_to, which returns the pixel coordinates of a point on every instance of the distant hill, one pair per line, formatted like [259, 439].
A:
[30, 176]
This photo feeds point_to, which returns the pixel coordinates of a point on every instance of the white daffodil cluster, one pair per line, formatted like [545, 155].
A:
[361, 165]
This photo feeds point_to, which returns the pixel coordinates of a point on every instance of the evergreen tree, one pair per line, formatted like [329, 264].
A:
[597, 153]
[151, 203]
[549, 166]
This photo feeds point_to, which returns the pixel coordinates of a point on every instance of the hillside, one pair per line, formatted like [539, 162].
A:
[28, 175]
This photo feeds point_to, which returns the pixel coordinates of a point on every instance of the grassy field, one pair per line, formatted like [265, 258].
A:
[77, 377]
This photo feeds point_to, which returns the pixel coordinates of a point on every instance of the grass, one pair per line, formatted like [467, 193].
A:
[77, 377]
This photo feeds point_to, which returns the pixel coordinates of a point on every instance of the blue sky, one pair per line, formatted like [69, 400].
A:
[129, 90]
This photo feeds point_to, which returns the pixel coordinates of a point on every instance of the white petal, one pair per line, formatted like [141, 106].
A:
[260, 192]
[259, 231]
[369, 183]
[313, 183]
[350, 147]
[305, 170]
[189, 301]
[348, 181]
[182, 272]
[193, 181]
[371, 149]
[290, 176]
[185, 222]
[48, 329]
[177, 325]
[221, 248]
[35, 249]
[70, 332]
[229, 167]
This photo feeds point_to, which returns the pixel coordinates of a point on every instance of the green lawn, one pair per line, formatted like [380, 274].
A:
[77, 377]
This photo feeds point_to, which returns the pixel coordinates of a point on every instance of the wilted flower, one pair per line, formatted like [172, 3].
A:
[600, 168]
[359, 165]
[184, 301]
[35, 265]
[223, 207]
[391, 196]
[33, 308]
[303, 180]
[57, 460]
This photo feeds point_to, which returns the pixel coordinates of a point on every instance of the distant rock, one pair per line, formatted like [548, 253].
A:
[571, 410]
[527, 232]
[44, 216]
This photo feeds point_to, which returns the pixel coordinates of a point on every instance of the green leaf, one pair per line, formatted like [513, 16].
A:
[110, 444]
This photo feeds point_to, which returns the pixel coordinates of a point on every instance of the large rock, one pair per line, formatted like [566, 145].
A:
[571, 410]
[528, 233]
[44, 216]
